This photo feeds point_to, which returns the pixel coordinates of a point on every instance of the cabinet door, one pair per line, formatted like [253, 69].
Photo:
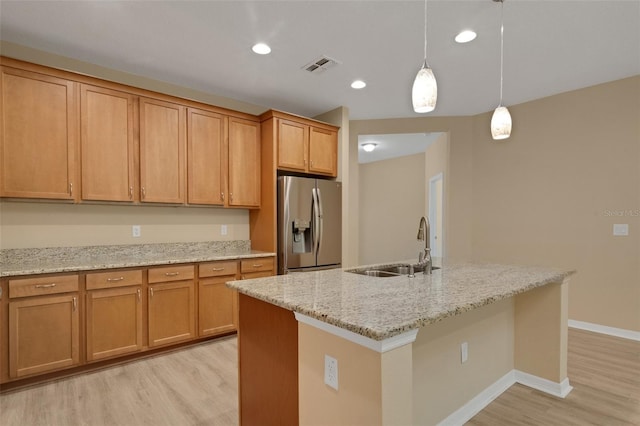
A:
[323, 151]
[206, 165]
[244, 163]
[217, 306]
[171, 312]
[38, 135]
[162, 148]
[106, 141]
[114, 322]
[292, 145]
[43, 334]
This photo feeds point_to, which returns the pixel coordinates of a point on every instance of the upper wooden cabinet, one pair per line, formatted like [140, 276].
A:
[107, 144]
[38, 135]
[244, 163]
[206, 157]
[162, 151]
[304, 145]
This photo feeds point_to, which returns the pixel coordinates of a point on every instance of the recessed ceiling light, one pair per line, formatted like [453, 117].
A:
[358, 84]
[261, 49]
[369, 146]
[465, 36]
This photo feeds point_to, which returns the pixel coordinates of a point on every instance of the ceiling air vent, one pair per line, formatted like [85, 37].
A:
[320, 64]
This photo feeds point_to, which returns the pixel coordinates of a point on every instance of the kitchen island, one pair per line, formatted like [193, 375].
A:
[419, 350]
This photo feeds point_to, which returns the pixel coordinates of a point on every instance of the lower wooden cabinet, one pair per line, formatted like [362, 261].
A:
[172, 310]
[59, 321]
[44, 334]
[114, 322]
[257, 268]
[217, 304]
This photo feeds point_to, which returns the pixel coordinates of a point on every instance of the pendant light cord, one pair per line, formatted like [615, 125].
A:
[501, 46]
[425, 32]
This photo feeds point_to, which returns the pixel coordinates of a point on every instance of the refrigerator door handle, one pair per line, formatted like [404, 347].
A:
[320, 220]
[316, 221]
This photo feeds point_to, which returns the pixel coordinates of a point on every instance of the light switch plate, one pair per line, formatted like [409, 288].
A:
[136, 231]
[223, 229]
[620, 229]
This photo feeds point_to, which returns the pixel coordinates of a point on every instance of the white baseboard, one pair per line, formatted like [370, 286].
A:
[603, 329]
[484, 398]
[560, 390]
[480, 401]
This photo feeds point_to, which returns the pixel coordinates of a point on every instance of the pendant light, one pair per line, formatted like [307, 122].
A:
[425, 90]
[501, 119]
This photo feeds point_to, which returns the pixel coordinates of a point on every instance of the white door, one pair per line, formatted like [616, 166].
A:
[436, 192]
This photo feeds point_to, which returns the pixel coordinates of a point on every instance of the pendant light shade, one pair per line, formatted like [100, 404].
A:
[501, 119]
[501, 123]
[425, 89]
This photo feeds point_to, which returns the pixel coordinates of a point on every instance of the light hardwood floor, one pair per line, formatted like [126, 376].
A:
[198, 386]
[192, 386]
[605, 374]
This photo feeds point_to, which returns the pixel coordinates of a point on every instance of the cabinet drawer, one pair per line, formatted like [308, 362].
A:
[42, 285]
[171, 273]
[258, 264]
[215, 269]
[113, 279]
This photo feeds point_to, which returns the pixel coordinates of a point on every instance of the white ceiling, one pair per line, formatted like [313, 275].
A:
[550, 47]
[394, 145]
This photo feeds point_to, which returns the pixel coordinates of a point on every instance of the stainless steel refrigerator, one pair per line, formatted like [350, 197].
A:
[309, 224]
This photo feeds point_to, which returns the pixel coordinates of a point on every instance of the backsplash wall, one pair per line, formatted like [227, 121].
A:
[25, 224]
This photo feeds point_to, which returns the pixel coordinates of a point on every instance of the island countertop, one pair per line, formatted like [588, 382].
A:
[15, 262]
[380, 308]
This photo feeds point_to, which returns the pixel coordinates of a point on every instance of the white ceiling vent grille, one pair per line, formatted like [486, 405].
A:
[320, 65]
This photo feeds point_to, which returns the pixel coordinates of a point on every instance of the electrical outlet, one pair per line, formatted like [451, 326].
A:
[464, 352]
[223, 229]
[136, 231]
[331, 371]
[621, 229]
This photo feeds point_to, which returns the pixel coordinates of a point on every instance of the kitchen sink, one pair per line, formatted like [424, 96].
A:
[389, 270]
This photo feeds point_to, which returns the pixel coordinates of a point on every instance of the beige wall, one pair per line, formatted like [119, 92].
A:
[544, 196]
[392, 200]
[441, 383]
[458, 180]
[549, 194]
[66, 225]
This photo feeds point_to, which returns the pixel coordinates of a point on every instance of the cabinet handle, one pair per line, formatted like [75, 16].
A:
[151, 292]
[231, 196]
[311, 163]
[112, 280]
[46, 285]
[257, 265]
[75, 304]
[144, 193]
[139, 294]
[0, 293]
[222, 196]
[71, 189]
[171, 274]
[217, 269]
[131, 192]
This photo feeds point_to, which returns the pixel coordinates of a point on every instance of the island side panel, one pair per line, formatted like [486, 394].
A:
[442, 383]
[541, 321]
[358, 398]
[267, 364]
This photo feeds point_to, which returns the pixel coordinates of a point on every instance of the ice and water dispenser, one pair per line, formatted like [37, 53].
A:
[301, 236]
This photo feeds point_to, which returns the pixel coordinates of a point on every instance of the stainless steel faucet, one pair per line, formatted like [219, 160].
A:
[424, 258]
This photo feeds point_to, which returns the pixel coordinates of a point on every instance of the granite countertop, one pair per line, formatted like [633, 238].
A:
[380, 308]
[15, 262]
